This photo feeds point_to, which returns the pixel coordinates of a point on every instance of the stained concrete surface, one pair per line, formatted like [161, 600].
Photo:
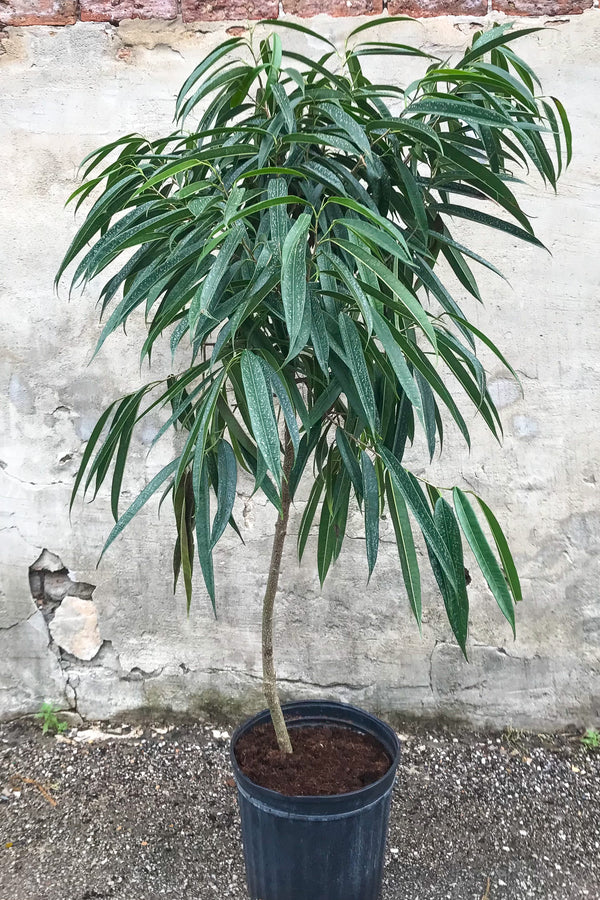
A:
[64, 92]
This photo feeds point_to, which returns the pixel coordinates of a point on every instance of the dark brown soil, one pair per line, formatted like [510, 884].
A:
[326, 760]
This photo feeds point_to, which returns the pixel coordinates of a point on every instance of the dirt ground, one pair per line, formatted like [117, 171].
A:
[149, 812]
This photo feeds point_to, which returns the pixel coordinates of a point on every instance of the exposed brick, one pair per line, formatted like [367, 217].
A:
[307, 8]
[542, 7]
[222, 10]
[116, 10]
[38, 12]
[427, 8]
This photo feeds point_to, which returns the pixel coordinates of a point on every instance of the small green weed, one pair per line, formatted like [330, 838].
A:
[50, 722]
[591, 739]
[513, 737]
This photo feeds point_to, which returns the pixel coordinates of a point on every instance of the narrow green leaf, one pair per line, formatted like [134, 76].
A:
[313, 66]
[371, 498]
[89, 449]
[406, 548]
[308, 516]
[294, 275]
[214, 56]
[455, 599]
[201, 302]
[307, 445]
[429, 411]
[350, 462]
[323, 403]
[475, 215]
[289, 413]
[450, 108]
[260, 410]
[247, 211]
[408, 486]
[466, 251]
[121, 422]
[551, 116]
[303, 336]
[117, 197]
[373, 216]
[341, 505]
[280, 221]
[177, 497]
[488, 183]
[346, 123]
[387, 48]
[356, 292]
[491, 39]
[196, 441]
[414, 195]
[121, 457]
[489, 343]
[404, 427]
[287, 108]
[227, 470]
[358, 368]
[318, 139]
[404, 295]
[186, 540]
[203, 530]
[271, 171]
[483, 402]
[397, 361]
[318, 336]
[325, 543]
[508, 564]
[379, 239]
[102, 152]
[281, 23]
[376, 23]
[139, 501]
[409, 132]
[566, 128]
[484, 555]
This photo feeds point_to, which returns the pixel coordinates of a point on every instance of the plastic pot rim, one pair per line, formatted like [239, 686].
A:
[277, 797]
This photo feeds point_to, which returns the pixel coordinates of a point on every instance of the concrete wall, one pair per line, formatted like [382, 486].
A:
[64, 91]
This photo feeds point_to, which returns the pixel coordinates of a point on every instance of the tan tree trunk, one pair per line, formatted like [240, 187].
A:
[269, 674]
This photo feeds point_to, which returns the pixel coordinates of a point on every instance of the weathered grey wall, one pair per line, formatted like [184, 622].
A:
[62, 93]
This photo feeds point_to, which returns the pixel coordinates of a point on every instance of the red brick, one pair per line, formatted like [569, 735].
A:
[542, 7]
[116, 10]
[308, 8]
[38, 12]
[427, 8]
[224, 10]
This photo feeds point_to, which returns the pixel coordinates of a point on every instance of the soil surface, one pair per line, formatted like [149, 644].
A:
[326, 760]
[151, 813]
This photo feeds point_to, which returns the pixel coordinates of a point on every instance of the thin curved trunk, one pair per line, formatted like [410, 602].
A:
[269, 674]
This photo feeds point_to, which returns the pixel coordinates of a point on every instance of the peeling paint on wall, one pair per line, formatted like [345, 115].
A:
[50, 582]
[66, 605]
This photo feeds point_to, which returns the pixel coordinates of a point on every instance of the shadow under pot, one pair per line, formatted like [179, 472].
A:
[316, 847]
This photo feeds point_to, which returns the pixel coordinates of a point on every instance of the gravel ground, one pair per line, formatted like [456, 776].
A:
[150, 812]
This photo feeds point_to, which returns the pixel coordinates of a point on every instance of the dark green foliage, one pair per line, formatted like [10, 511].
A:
[289, 241]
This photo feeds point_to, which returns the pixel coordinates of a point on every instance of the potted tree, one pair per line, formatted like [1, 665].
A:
[289, 241]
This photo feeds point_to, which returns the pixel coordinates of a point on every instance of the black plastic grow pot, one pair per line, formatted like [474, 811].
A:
[316, 848]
